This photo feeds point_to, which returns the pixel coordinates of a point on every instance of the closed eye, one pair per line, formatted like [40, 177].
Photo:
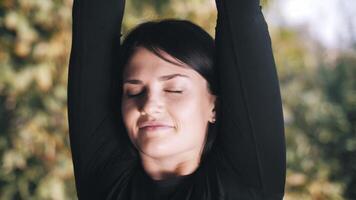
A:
[133, 95]
[174, 91]
[171, 91]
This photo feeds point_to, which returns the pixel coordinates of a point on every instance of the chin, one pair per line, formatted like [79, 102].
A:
[158, 149]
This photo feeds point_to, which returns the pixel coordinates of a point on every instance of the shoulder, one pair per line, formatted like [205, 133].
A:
[227, 181]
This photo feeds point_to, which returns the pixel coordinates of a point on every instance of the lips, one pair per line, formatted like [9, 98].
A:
[153, 124]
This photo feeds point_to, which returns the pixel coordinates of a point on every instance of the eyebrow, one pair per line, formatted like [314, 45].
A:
[161, 78]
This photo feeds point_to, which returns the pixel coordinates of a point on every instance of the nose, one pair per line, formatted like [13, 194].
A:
[151, 103]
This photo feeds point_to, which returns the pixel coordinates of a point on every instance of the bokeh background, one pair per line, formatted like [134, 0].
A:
[314, 44]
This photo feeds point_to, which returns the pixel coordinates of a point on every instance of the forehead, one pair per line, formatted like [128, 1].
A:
[145, 64]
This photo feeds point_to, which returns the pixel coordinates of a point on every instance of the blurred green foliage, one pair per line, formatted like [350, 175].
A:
[317, 85]
[319, 102]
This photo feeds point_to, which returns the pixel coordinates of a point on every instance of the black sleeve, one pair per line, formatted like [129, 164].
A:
[94, 122]
[252, 128]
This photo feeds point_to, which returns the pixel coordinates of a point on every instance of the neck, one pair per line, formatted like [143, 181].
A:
[171, 166]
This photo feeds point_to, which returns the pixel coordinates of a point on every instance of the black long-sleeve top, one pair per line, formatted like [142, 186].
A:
[248, 157]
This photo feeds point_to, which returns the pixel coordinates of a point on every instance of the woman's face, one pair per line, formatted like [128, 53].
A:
[174, 97]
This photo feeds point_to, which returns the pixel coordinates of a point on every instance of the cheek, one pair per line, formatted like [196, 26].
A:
[190, 121]
[190, 108]
[130, 117]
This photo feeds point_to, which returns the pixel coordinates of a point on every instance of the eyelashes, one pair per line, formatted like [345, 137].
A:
[169, 91]
[174, 91]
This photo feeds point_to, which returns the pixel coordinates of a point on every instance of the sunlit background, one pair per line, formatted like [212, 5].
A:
[314, 44]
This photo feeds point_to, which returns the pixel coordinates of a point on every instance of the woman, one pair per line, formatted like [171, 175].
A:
[140, 131]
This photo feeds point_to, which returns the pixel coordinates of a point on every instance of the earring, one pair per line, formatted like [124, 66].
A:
[143, 113]
[213, 120]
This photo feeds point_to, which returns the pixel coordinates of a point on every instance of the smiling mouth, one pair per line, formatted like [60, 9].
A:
[155, 128]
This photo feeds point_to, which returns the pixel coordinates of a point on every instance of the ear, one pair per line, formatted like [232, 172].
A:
[213, 118]
[213, 110]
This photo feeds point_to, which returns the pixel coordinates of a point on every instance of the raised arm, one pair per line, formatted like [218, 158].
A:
[252, 128]
[94, 123]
